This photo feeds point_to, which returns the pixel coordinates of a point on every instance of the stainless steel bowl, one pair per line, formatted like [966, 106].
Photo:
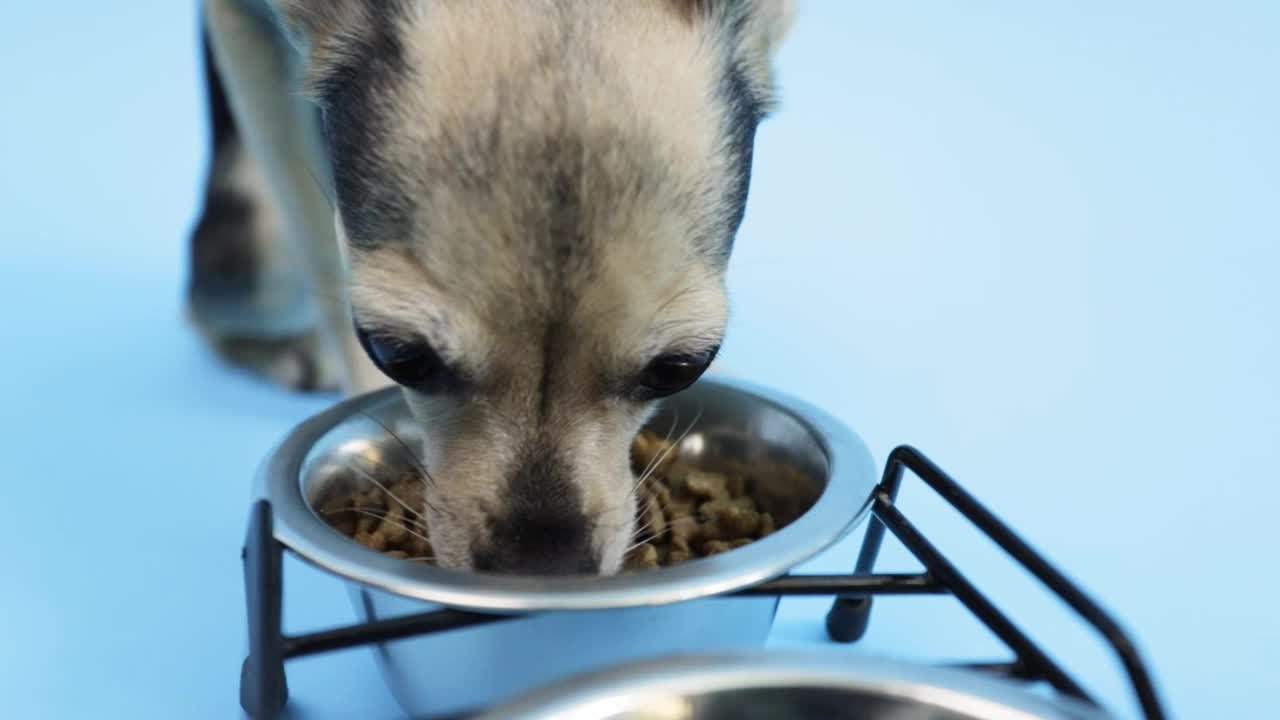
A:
[576, 623]
[786, 686]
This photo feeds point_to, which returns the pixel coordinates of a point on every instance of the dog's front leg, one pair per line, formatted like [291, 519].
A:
[280, 129]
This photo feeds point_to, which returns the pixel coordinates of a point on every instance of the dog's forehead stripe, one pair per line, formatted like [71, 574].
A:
[356, 95]
[397, 132]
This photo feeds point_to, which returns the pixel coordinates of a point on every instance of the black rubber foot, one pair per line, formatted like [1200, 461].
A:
[848, 618]
[262, 698]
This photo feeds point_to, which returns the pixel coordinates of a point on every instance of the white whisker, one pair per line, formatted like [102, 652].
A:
[417, 461]
[665, 453]
[376, 516]
[675, 422]
[393, 496]
[644, 541]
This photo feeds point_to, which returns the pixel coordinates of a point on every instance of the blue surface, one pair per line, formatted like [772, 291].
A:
[1039, 241]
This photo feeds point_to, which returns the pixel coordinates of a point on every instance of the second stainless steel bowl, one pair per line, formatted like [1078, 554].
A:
[794, 685]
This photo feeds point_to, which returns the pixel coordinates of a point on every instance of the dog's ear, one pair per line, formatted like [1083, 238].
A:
[765, 26]
[754, 30]
[326, 31]
[320, 22]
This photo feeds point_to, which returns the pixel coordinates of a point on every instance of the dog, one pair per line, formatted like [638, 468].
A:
[519, 211]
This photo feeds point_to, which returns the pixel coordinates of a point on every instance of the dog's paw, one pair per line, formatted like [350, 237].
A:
[303, 363]
[241, 279]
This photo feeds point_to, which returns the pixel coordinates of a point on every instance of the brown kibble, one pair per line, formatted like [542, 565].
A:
[787, 494]
[647, 447]
[366, 522]
[642, 451]
[737, 486]
[713, 508]
[709, 531]
[674, 477]
[371, 499]
[685, 528]
[644, 557]
[681, 508]
[335, 505]
[418, 547]
[663, 493]
[679, 545]
[689, 512]
[767, 525]
[410, 501]
[392, 526]
[729, 519]
[707, 485]
[715, 547]
[655, 525]
[372, 541]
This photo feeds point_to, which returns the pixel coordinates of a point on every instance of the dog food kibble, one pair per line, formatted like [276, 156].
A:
[689, 512]
[382, 520]
[683, 512]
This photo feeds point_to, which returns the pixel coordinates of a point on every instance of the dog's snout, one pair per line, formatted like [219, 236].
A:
[538, 544]
[541, 528]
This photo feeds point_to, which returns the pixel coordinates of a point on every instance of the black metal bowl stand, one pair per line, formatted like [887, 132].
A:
[264, 690]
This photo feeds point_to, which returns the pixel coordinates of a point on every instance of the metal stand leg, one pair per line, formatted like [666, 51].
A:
[849, 616]
[264, 692]
[263, 689]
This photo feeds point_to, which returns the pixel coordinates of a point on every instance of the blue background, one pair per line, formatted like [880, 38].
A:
[1038, 240]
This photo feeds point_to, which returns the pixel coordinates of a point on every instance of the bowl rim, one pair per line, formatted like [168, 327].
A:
[843, 503]
[622, 687]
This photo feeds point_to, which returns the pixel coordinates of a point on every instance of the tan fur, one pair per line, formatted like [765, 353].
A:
[487, 277]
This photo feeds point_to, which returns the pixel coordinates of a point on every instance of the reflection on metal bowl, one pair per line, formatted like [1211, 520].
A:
[787, 686]
[574, 624]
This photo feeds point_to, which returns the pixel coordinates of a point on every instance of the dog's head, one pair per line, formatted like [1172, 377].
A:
[538, 200]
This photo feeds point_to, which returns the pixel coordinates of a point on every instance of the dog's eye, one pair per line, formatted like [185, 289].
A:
[409, 362]
[669, 374]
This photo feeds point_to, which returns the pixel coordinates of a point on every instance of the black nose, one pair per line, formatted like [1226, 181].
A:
[537, 544]
[541, 528]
